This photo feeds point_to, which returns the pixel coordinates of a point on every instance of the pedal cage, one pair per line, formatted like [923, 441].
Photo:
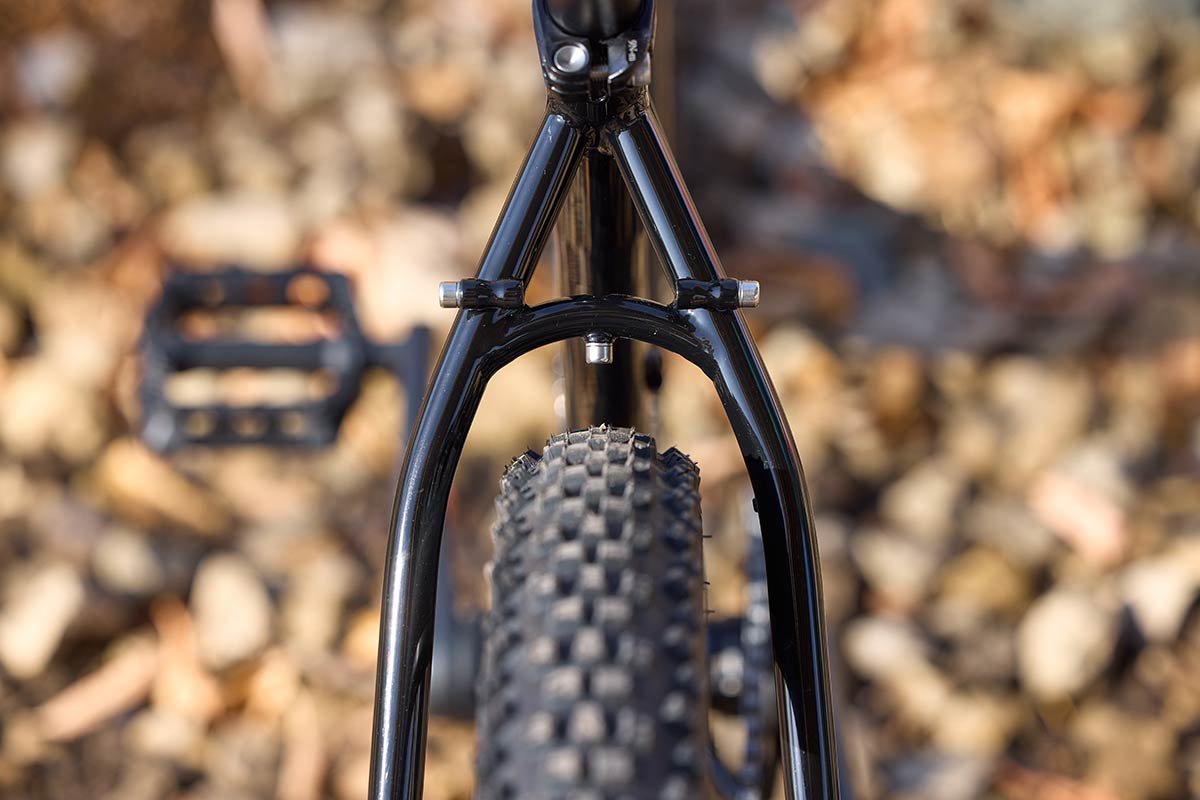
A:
[308, 423]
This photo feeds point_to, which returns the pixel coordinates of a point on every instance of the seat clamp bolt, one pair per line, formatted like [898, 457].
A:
[599, 348]
[571, 58]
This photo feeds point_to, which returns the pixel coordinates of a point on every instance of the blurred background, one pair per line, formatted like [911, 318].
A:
[975, 224]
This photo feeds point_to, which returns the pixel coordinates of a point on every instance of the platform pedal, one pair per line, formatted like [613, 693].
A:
[336, 363]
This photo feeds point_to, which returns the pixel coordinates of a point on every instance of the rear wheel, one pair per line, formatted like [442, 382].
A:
[594, 682]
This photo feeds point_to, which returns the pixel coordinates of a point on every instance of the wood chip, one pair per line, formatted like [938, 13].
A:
[120, 685]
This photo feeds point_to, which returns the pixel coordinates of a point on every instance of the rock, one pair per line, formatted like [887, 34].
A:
[497, 131]
[977, 724]
[970, 442]
[16, 492]
[241, 757]
[252, 229]
[517, 408]
[145, 488]
[895, 386]
[183, 688]
[124, 562]
[352, 778]
[116, 687]
[983, 652]
[1064, 642]
[985, 582]
[280, 550]
[809, 378]
[145, 780]
[1043, 408]
[162, 735]
[840, 585]
[1132, 754]
[232, 610]
[937, 777]
[85, 330]
[248, 162]
[898, 568]
[1011, 529]
[441, 92]
[396, 265]
[360, 646]
[375, 121]
[319, 51]
[36, 154]
[53, 66]
[881, 647]
[1082, 500]
[274, 685]
[316, 594]
[40, 603]
[65, 226]
[371, 437]
[868, 456]
[305, 762]
[168, 163]
[259, 486]
[240, 30]
[43, 412]
[923, 502]
[452, 740]
[1160, 591]
[11, 329]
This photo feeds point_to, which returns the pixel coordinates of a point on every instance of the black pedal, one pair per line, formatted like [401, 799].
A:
[336, 362]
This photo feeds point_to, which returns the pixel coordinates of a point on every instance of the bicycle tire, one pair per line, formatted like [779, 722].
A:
[594, 680]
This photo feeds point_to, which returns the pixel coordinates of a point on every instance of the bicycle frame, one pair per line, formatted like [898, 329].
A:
[622, 132]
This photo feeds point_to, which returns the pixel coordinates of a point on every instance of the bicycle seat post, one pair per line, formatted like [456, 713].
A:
[595, 19]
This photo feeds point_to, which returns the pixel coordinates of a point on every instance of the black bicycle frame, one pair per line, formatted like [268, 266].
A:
[621, 131]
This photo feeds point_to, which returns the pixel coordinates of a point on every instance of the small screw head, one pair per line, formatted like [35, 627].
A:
[450, 294]
[749, 294]
[598, 348]
[571, 58]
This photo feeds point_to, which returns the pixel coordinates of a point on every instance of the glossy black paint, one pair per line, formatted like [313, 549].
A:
[601, 250]
[597, 19]
[793, 569]
[714, 295]
[618, 64]
[410, 575]
[474, 293]
[520, 234]
[621, 127]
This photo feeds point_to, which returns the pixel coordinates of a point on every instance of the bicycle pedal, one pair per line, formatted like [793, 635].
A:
[196, 328]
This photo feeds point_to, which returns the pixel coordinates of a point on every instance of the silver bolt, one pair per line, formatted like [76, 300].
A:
[599, 348]
[749, 294]
[571, 58]
[450, 294]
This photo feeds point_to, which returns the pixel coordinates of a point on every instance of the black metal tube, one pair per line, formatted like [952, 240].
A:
[598, 19]
[533, 203]
[481, 343]
[257, 355]
[793, 571]
[410, 575]
[599, 251]
[662, 199]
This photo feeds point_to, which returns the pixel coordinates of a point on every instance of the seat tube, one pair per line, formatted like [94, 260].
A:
[600, 250]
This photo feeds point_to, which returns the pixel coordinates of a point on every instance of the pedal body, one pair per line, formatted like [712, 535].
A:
[339, 360]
